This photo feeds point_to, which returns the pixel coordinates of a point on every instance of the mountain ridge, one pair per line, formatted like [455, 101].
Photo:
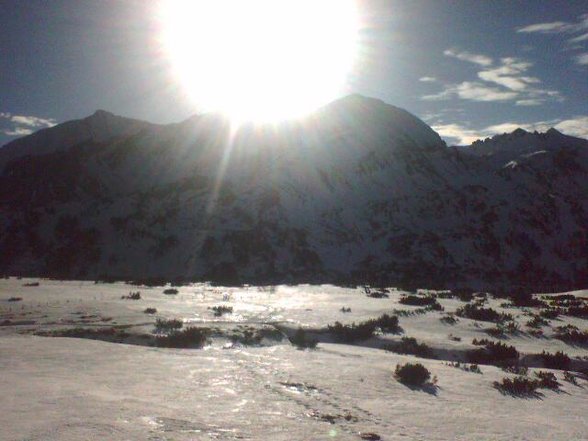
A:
[358, 192]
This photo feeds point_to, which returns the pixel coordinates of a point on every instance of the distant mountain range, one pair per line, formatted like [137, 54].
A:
[358, 192]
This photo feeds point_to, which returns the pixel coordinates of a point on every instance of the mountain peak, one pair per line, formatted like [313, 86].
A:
[553, 131]
[101, 112]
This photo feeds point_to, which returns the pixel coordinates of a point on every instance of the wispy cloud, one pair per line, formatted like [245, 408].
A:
[428, 79]
[582, 59]
[473, 91]
[464, 135]
[21, 125]
[553, 27]
[565, 28]
[481, 60]
[579, 38]
[509, 82]
[557, 27]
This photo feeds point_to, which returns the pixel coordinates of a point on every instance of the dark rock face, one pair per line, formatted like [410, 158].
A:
[360, 191]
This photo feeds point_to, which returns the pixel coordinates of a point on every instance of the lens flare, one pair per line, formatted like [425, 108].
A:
[260, 60]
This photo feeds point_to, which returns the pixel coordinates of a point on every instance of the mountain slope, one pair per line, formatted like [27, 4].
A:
[358, 191]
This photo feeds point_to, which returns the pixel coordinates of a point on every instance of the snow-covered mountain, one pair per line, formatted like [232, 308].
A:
[359, 191]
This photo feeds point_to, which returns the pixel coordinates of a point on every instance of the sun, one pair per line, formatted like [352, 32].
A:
[260, 60]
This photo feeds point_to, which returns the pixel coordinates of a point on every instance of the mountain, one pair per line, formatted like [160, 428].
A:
[359, 191]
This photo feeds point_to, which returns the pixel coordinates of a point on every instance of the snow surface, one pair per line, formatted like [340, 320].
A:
[79, 389]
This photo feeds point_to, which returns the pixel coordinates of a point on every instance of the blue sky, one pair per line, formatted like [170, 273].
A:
[468, 68]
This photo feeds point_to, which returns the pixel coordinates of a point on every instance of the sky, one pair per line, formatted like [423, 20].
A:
[470, 69]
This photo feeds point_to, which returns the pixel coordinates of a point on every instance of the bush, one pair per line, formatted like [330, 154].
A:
[377, 295]
[550, 314]
[570, 378]
[164, 325]
[362, 331]
[516, 369]
[571, 335]
[417, 301]
[132, 296]
[170, 291]
[493, 353]
[547, 380]
[31, 284]
[412, 374]
[301, 341]
[345, 310]
[221, 310]
[409, 345]
[518, 386]
[15, 299]
[449, 320]
[483, 314]
[527, 299]
[188, 338]
[464, 367]
[150, 311]
[352, 332]
[537, 321]
[559, 360]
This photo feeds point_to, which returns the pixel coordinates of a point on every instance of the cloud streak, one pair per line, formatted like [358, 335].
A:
[506, 81]
[565, 28]
[21, 125]
[479, 59]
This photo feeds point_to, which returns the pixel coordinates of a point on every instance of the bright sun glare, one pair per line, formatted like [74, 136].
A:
[260, 60]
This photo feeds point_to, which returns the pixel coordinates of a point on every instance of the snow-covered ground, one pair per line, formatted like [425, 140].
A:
[80, 389]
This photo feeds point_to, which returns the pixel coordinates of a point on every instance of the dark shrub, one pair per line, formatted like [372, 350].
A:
[163, 325]
[496, 332]
[150, 311]
[550, 313]
[465, 367]
[537, 321]
[493, 353]
[352, 332]
[301, 340]
[345, 310]
[15, 299]
[412, 374]
[449, 320]
[516, 369]
[527, 299]
[483, 314]
[32, 284]
[362, 331]
[377, 295]
[559, 360]
[170, 291]
[132, 296]
[570, 378]
[571, 335]
[518, 386]
[417, 300]
[547, 380]
[221, 310]
[387, 323]
[409, 345]
[188, 338]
